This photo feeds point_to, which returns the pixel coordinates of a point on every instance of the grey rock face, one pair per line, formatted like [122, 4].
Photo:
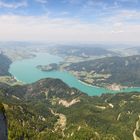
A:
[3, 127]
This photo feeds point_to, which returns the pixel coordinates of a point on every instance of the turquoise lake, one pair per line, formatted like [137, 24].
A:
[25, 70]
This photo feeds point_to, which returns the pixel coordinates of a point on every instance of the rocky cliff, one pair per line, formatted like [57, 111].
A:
[3, 124]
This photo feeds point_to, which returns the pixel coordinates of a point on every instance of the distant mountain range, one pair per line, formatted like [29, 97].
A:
[82, 51]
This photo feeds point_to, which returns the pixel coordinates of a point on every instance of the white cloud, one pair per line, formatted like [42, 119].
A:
[42, 1]
[42, 28]
[13, 5]
[72, 1]
[131, 1]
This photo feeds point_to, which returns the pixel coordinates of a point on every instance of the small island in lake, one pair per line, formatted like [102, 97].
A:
[50, 67]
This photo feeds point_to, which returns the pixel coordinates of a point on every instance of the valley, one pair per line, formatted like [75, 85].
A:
[57, 98]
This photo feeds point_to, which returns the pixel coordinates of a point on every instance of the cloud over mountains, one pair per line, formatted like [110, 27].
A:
[68, 20]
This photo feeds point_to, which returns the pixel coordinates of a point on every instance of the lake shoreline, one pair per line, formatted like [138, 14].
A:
[26, 72]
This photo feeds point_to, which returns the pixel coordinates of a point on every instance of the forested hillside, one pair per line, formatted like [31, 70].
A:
[4, 65]
[49, 109]
[120, 70]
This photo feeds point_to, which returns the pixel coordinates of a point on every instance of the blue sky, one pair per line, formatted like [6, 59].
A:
[70, 20]
[87, 10]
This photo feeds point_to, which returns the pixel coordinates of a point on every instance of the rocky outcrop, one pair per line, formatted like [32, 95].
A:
[137, 128]
[68, 104]
[3, 125]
